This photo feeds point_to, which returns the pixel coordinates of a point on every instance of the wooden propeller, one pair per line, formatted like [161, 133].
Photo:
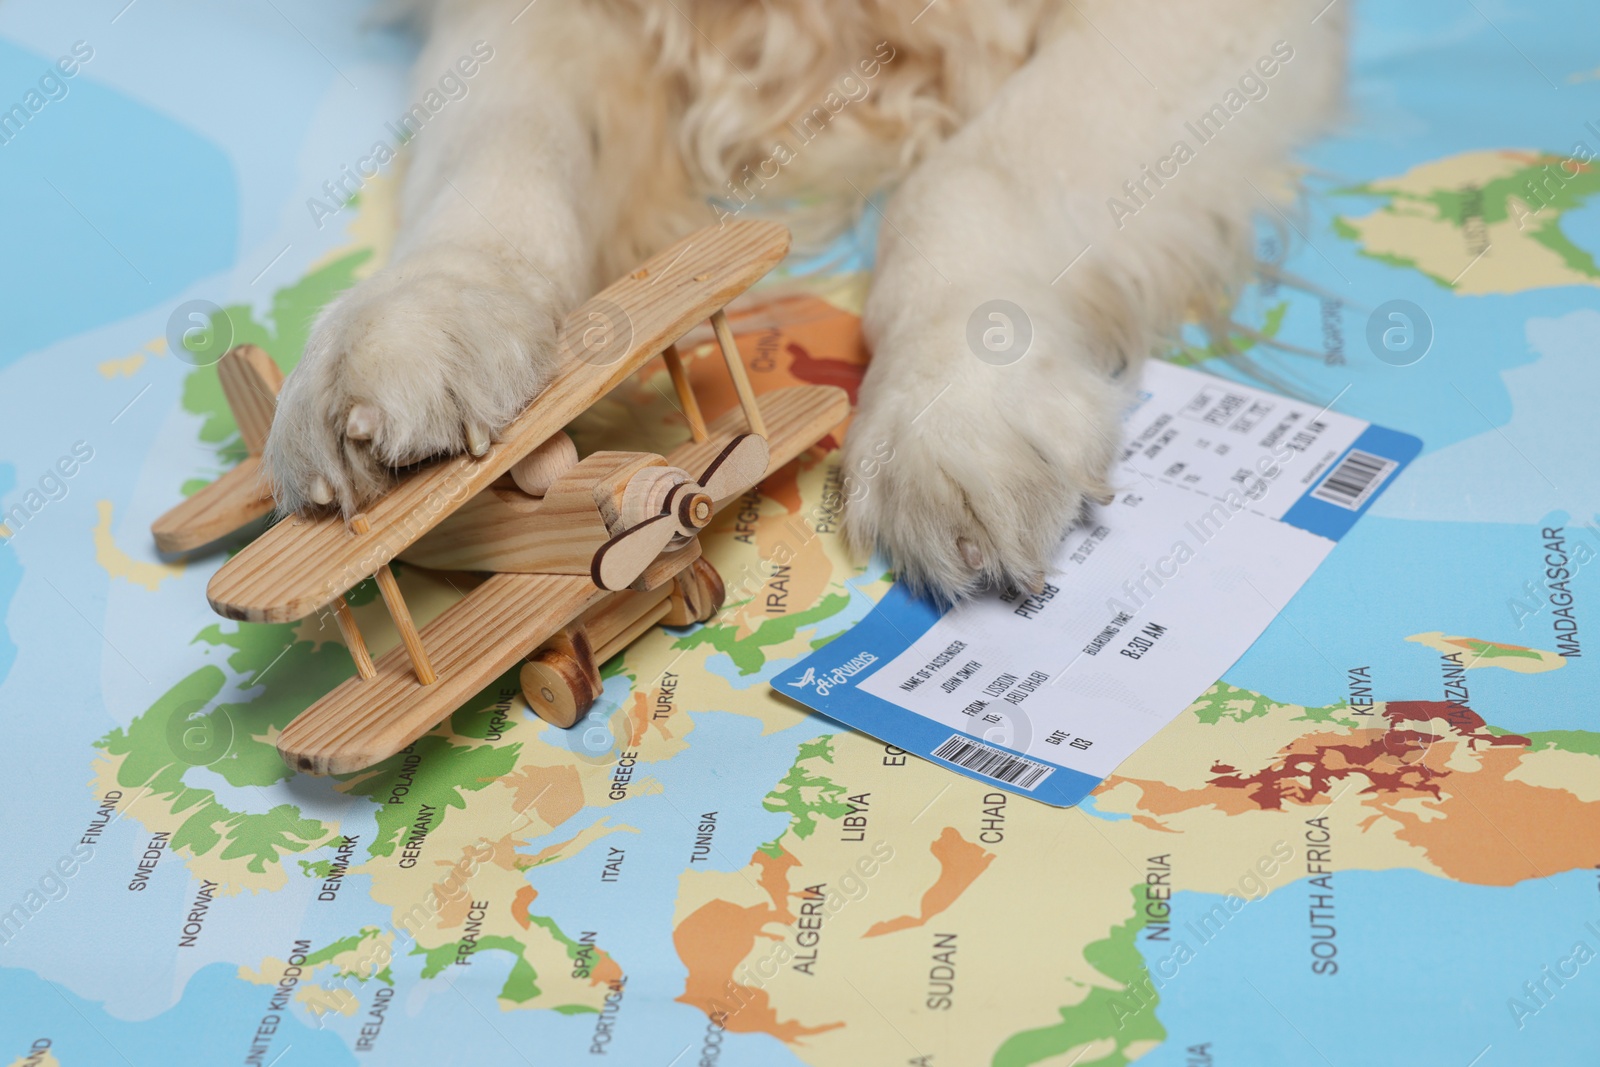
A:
[736, 468]
[686, 510]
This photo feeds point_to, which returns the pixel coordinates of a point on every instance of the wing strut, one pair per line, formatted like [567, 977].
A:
[685, 391]
[397, 611]
[736, 371]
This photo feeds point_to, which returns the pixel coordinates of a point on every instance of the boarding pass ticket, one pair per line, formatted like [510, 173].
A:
[1227, 499]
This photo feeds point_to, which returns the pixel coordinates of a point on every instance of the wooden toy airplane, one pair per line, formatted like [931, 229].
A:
[586, 554]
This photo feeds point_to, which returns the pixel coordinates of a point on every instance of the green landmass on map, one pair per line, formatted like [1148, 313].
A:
[805, 795]
[1118, 1016]
[749, 653]
[1488, 221]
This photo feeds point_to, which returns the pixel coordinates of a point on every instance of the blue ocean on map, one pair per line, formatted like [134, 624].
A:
[1401, 992]
[122, 257]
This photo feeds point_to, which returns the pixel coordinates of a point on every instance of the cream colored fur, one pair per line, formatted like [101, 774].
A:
[1001, 131]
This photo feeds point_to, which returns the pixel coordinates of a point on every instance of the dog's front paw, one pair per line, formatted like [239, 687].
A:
[430, 358]
[968, 471]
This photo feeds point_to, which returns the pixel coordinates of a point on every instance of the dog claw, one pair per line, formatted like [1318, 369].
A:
[362, 423]
[321, 491]
[477, 438]
[970, 553]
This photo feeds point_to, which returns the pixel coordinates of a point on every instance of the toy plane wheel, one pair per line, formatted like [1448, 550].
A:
[560, 684]
[561, 680]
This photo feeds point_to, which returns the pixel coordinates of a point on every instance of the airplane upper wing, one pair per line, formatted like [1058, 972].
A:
[305, 562]
[234, 500]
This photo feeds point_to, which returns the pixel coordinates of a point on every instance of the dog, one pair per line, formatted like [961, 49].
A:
[1095, 165]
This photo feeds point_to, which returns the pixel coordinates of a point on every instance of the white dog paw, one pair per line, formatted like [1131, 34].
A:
[417, 361]
[968, 473]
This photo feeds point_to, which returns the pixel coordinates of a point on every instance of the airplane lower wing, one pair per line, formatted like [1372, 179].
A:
[472, 643]
[797, 416]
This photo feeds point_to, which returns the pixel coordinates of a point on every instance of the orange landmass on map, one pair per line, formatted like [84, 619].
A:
[554, 792]
[1477, 823]
[1497, 831]
[641, 717]
[519, 904]
[606, 971]
[1159, 798]
[783, 485]
[1408, 758]
[774, 879]
[712, 942]
[714, 939]
[960, 863]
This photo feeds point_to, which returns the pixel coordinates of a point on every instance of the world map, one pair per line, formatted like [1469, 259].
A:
[1375, 840]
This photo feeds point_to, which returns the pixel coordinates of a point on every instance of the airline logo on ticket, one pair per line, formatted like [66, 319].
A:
[1228, 499]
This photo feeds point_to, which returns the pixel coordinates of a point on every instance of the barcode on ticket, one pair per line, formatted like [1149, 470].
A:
[993, 763]
[1355, 479]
